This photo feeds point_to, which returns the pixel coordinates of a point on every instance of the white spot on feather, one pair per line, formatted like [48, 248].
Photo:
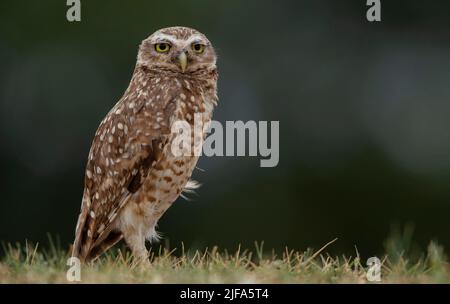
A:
[101, 228]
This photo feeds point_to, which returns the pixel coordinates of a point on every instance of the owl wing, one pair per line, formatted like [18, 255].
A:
[127, 144]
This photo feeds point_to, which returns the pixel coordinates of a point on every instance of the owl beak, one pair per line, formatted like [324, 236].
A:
[182, 58]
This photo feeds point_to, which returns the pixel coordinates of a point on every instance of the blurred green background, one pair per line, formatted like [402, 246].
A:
[364, 111]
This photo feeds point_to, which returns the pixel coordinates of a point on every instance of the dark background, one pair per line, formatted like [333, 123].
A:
[363, 107]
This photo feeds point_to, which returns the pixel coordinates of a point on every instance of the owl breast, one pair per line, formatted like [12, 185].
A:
[169, 176]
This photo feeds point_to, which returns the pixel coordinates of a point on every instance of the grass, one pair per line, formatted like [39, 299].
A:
[29, 264]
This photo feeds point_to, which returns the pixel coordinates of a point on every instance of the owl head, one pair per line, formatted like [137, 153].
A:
[177, 50]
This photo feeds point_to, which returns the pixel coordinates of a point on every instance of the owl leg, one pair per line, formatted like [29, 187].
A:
[136, 242]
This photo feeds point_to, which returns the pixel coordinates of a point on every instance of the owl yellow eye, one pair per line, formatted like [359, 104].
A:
[162, 47]
[198, 48]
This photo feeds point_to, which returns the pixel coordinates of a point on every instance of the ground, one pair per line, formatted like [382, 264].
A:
[29, 264]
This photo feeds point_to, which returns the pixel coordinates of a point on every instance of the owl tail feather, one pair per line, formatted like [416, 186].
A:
[112, 239]
[83, 236]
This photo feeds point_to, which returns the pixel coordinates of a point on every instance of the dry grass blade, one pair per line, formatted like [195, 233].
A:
[30, 264]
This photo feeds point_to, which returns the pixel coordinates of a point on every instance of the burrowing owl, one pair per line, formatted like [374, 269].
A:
[132, 176]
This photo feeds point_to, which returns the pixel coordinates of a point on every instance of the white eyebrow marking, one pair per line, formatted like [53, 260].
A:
[161, 36]
[180, 42]
[197, 38]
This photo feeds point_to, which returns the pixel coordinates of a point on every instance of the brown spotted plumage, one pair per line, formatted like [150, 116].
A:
[132, 176]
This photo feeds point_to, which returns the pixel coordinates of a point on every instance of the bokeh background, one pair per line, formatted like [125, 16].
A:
[364, 111]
